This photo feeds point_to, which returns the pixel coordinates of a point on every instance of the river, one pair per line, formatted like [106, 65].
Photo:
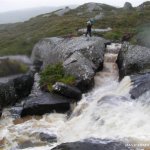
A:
[106, 112]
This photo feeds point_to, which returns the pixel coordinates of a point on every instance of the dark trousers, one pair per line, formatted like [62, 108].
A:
[88, 32]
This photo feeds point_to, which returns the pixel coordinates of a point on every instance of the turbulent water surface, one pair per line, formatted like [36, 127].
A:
[106, 112]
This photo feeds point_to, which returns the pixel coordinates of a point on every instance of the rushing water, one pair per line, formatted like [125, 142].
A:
[106, 112]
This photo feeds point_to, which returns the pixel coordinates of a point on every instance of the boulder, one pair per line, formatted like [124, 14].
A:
[48, 137]
[67, 91]
[75, 53]
[45, 103]
[16, 111]
[42, 49]
[141, 84]
[127, 6]
[88, 145]
[82, 68]
[15, 89]
[23, 85]
[133, 59]
[7, 94]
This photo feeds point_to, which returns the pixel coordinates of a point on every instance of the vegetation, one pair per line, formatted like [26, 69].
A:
[52, 74]
[12, 67]
[20, 38]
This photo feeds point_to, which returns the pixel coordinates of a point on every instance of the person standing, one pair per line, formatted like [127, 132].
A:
[89, 28]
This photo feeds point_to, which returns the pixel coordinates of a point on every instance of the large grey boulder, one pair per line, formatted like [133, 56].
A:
[42, 49]
[82, 68]
[133, 59]
[81, 56]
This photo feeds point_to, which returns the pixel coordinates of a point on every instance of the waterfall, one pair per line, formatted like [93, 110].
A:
[106, 112]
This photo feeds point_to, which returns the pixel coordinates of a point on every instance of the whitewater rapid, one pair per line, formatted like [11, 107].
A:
[106, 112]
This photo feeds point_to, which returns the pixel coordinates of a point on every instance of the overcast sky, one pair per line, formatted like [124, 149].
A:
[7, 5]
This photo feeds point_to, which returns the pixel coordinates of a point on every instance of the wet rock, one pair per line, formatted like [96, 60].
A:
[29, 144]
[15, 89]
[45, 103]
[88, 145]
[26, 144]
[141, 84]
[133, 59]
[48, 137]
[54, 50]
[7, 94]
[66, 90]
[79, 66]
[23, 85]
[43, 48]
[16, 111]
[75, 53]
[127, 6]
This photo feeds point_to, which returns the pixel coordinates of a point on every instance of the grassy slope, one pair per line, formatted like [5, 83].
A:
[20, 38]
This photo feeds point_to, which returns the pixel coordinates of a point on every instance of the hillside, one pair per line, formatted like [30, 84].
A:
[20, 38]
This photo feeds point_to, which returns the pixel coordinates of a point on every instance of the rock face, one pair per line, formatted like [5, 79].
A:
[13, 90]
[141, 84]
[81, 57]
[45, 103]
[91, 146]
[133, 60]
[66, 90]
[127, 6]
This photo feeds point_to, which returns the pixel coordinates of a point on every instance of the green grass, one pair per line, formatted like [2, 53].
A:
[52, 74]
[12, 67]
[20, 38]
